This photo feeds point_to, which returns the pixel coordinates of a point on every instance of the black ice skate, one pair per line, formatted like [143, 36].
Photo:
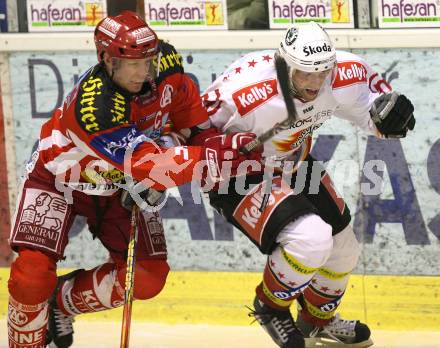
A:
[279, 325]
[60, 326]
[337, 333]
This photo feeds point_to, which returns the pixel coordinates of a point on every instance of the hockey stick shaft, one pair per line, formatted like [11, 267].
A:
[283, 79]
[129, 279]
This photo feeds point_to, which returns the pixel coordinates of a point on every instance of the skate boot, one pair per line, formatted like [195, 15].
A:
[60, 325]
[278, 324]
[337, 333]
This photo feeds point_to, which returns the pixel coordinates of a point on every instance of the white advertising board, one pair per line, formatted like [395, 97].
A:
[329, 13]
[64, 15]
[186, 14]
[408, 13]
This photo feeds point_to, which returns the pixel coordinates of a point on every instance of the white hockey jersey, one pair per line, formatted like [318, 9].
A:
[247, 97]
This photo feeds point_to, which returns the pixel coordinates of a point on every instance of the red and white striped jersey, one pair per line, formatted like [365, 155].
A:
[85, 142]
[247, 97]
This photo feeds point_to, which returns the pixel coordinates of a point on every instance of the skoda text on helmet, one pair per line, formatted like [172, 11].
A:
[125, 36]
[308, 48]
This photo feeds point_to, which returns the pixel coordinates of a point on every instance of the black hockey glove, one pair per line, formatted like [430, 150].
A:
[393, 115]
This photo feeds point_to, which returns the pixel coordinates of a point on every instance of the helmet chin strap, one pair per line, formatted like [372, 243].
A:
[293, 91]
[115, 66]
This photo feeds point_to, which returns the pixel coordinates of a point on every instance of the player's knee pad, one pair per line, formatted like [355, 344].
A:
[150, 278]
[309, 239]
[346, 250]
[33, 277]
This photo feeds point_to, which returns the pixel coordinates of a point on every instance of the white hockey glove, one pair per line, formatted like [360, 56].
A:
[151, 197]
[393, 115]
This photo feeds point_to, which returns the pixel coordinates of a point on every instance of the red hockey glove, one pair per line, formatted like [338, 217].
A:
[199, 139]
[223, 156]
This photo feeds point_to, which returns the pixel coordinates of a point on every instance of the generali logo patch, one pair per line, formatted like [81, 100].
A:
[250, 97]
[350, 73]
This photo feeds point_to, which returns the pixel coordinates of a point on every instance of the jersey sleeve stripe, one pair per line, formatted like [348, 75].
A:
[56, 138]
[65, 161]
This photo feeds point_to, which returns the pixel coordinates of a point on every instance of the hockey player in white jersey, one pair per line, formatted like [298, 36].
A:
[310, 245]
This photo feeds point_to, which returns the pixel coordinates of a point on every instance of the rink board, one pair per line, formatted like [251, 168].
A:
[219, 298]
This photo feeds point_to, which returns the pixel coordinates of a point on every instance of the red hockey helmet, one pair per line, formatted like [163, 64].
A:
[125, 36]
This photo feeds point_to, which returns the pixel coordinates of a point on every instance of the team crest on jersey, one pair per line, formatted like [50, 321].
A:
[250, 97]
[167, 96]
[350, 73]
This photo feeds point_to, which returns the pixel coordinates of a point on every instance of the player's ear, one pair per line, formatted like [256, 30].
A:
[108, 60]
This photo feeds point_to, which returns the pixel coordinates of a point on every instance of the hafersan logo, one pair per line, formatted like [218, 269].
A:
[91, 89]
[252, 96]
[308, 50]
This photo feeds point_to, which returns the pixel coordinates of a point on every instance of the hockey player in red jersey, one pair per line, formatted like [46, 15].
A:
[109, 126]
[304, 228]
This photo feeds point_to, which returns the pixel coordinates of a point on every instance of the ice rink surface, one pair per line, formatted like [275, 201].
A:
[148, 335]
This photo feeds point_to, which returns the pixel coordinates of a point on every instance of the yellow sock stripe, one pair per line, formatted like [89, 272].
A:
[218, 298]
[316, 312]
[329, 274]
[274, 299]
[296, 265]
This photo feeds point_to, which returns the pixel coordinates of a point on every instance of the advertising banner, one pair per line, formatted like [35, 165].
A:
[186, 14]
[330, 14]
[64, 15]
[399, 227]
[408, 13]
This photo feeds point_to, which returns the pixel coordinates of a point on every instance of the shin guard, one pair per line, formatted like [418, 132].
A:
[32, 281]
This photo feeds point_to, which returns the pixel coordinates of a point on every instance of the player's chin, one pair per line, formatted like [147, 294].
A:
[310, 94]
[135, 87]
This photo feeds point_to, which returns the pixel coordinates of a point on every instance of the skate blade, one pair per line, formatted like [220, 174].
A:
[328, 342]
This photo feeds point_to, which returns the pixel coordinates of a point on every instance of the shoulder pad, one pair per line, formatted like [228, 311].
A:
[170, 61]
[99, 107]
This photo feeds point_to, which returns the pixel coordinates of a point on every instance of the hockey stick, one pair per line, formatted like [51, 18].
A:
[129, 278]
[283, 79]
